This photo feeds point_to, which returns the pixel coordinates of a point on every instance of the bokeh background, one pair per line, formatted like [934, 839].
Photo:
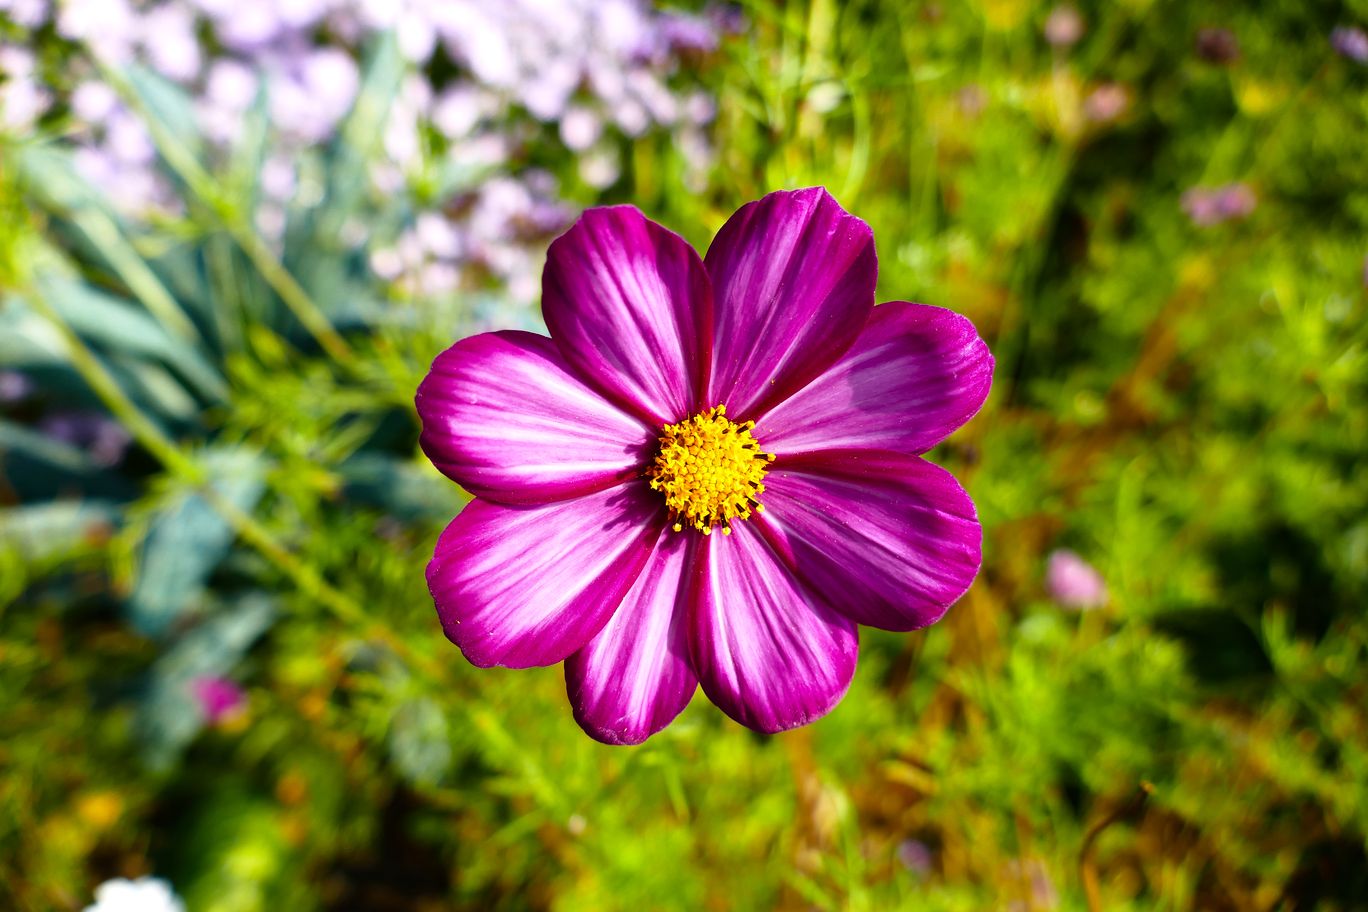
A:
[235, 233]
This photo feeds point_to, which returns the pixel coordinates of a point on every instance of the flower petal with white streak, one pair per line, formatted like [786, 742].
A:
[887, 540]
[634, 677]
[524, 586]
[793, 277]
[505, 418]
[630, 306]
[913, 376]
[767, 649]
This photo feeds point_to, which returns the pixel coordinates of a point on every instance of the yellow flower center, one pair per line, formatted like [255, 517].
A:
[710, 470]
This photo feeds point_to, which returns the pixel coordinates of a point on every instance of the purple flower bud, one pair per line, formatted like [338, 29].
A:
[1350, 41]
[218, 698]
[1073, 582]
[1217, 45]
[915, 856]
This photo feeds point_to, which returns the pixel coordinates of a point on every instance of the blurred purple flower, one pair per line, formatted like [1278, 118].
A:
[1217, 45]
[218, 698]
[22, 98]
[727, 18]
[915, 856]
[103, 438]
[1236, 200]
[93, 102]
[127, 140]
[309, 95]
[1073, 582]
[580, 128]
[685, 34]
[1207, 206]
[14, 386]
[1350, 41]
[249, 26]
[108, 27]
[1064, 27]
[168, 35]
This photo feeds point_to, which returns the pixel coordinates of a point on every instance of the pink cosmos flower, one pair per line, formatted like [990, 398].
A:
[709, 474]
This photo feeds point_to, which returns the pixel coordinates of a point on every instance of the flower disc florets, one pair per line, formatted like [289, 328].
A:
[710, 470]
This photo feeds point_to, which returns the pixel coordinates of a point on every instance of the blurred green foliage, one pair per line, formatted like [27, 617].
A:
[1184, 405]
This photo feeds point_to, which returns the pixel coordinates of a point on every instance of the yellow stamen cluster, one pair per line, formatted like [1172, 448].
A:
[709, 470]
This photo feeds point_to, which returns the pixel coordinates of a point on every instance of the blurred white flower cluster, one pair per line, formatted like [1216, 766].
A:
[484, 78]
[146, 894]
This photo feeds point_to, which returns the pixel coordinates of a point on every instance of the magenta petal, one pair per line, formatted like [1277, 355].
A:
[914, 375]
[634, 677]
[768, 651]
[523, 586]
[793, 274]
[506, 419]
[889, 540]
[630, 306]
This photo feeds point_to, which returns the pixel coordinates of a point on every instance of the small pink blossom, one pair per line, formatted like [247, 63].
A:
[219, 698]
[1106, 103]
[1073, 582]
[1207, 206]
[1350, 41]
[1064, 27]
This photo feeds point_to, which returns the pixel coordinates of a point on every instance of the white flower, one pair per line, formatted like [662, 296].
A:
[27, 13]
[170, 42]
[146, 894]
[580, 128]
[93, 101]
